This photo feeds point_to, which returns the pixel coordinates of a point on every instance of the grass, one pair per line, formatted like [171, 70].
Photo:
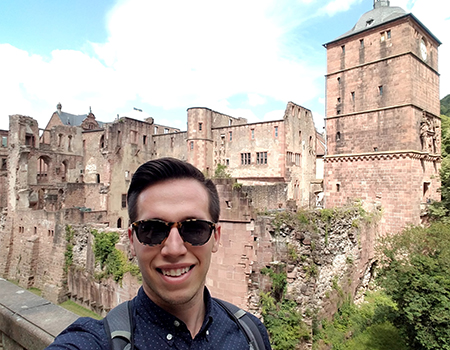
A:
[79, 310]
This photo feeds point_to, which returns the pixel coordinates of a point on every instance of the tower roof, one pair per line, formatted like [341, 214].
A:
[381, 13]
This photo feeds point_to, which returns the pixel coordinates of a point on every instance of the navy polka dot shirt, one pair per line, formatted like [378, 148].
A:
[155, 328]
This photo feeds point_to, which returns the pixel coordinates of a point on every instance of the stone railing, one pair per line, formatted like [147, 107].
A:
[27, 321]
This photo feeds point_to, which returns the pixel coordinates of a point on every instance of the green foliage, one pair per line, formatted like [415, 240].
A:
[113, 262]
[68, 254]
[364, 327]
[221, 172]
[279, 281]
[79, 310]
[236, 186]
[415, 272]
[281, 316]
[104, 245]
[292, 253]
[285, 325]
[445, 105]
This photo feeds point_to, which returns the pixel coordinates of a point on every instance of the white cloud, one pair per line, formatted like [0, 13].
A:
[336, 6]
[180, 54]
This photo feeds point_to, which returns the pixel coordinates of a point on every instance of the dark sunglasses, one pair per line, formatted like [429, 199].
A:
[153, 231]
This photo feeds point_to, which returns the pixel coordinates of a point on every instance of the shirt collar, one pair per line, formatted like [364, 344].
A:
[164, 321]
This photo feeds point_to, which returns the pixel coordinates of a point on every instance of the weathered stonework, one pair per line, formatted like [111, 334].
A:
[383, 126]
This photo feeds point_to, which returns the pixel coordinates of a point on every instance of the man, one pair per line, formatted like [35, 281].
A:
[174, 212]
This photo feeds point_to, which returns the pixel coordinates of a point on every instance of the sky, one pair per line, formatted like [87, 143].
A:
[243, 58]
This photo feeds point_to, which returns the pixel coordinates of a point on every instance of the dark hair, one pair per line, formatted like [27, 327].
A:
[162, 169]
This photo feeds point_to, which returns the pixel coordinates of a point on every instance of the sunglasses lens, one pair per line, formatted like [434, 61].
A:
[152, 232]
[196, 232]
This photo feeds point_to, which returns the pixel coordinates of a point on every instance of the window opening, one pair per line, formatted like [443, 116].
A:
[253, 134]
[343, 49]
[276, 131]
[4, 141]
[338, 136]
[261, 158]
[380, 90]
[245, 159]
[119, 223]
[144, 139]
[98, 178]
[353, 96]
[361, 44]
[200, 125]
[4, 164]
[231, 135]
[124, 200]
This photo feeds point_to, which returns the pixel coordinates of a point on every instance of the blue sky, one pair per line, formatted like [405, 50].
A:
[242, 58]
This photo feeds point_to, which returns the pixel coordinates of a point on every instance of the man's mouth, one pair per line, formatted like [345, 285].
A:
[175, 272]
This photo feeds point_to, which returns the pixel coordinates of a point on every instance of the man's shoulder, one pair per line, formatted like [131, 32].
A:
[249, 324]
[84, 333]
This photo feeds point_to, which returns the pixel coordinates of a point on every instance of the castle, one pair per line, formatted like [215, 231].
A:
[382, 137]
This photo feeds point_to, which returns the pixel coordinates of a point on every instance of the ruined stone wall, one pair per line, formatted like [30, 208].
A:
[3, 169]
[265, 197]
[170, 145]
[325, 259]
[240, 141]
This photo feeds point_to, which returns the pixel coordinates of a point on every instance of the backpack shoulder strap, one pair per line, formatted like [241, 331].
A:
[118, 325]
[245, 323]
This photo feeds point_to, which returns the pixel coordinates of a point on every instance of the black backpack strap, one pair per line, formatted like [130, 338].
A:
[245, 323]
[118, 325]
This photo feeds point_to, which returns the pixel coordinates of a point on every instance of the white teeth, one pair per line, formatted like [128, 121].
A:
[175, 272]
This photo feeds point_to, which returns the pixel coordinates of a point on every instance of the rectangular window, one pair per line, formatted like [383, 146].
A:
[353, 96]
[166, 130]
[253, 134]
[227, 162]
[4, 164]
[261, 157]
[133, 136]
[4, 141]
[388, 34]
[124, 200]
[231, 135]
[361, 44]
[297, 159]
[382, 36]
[246, 159]
[380, 90]
[144, 139]
[192, 144]
[200, 125]
[155, 130]
[276, 131]
[343, 49]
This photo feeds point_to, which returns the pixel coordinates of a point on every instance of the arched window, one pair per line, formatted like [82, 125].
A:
[119, 223]
[338, 136]
[102, 141]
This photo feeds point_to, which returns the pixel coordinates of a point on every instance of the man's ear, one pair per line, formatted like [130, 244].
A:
[217, 234]
[131, 238]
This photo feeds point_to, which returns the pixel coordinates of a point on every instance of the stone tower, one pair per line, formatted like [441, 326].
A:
[382, 116]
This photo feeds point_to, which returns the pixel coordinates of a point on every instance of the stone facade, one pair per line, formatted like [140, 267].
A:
[77, 171]
[382, 123]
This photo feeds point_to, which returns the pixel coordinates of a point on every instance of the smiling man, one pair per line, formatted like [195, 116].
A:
[174, 212]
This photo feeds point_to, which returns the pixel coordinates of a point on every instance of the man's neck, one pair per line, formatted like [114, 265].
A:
[191, 313]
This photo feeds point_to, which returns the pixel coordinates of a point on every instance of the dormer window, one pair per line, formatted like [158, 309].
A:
[369, 22]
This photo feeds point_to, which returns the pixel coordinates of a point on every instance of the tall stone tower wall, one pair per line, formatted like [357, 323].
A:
[383, 125]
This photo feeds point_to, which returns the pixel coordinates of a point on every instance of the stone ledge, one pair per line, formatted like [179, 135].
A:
[29, 320]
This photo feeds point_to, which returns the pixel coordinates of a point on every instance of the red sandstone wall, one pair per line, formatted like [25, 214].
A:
[393, 181]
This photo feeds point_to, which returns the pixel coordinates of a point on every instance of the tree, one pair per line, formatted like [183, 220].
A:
[415, 271]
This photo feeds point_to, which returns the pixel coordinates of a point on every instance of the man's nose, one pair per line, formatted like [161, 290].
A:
[174, 244]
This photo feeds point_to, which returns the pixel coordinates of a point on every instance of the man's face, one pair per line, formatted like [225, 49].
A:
[174, 272]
